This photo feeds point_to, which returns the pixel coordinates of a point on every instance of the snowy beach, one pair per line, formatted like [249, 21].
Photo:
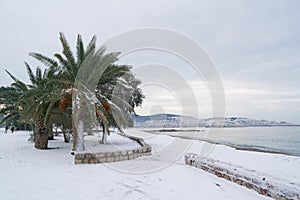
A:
[27, 173]
[156, 100]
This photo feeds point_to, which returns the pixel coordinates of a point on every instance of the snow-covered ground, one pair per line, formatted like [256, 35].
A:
[114, 143]
[275, 166]
[27, 173]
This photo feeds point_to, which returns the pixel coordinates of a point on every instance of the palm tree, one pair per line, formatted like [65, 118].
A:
[11, 108]
[80, 80]
[37, 101]
[69, 67]
[122, 91]
[44, 97]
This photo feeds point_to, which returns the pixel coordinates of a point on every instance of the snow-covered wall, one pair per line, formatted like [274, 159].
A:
[262, 183]
[105, 157]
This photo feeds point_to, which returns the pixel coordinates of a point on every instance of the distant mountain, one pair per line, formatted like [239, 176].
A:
[171, 120]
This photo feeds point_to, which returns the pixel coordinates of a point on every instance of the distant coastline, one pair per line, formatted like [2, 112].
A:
[251, 126]
[177, 129]
[237, 147]
[176, 121]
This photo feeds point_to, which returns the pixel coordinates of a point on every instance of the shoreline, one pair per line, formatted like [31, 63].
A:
[177, 129]
[240, 148]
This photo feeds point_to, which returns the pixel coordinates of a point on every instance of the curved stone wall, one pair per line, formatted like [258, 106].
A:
[106, 157]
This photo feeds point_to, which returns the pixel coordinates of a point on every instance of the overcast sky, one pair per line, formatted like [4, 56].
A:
[254, 44]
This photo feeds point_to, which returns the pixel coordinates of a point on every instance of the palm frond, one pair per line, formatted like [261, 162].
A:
[91, 46]
[39, 76]
[17, 84]
[66, 49]
[44, 59]
[7, 118]
[30, 74]
[101, 63]
[65, 64]
[80, 50]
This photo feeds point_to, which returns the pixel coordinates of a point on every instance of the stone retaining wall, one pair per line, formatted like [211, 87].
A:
[106, 157]
[251, 179]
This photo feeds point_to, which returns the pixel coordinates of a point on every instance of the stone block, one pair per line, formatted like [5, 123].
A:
[125, 157]
[89, 155]
[79, 156]
[100, 155]
[142, 149]
[93, 161]
[117, 158]
[148, 148]
[110, 159]
[86, 160]
[130, 156]
[78, 161]
[117, 153]
[110, 154]
[121, 158]
[130, 152]
[136, 150]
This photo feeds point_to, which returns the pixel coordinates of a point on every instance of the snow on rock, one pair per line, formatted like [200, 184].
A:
[118, 148]
[283, 167]
[265, 184]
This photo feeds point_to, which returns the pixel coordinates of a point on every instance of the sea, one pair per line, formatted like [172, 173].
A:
[274, 139]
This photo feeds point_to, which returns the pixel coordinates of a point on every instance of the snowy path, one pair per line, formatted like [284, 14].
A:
[27, 173]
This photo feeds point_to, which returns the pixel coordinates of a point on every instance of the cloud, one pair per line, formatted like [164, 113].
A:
[255, 45]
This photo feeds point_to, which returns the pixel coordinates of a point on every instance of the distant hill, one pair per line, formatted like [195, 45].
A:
[171, 120]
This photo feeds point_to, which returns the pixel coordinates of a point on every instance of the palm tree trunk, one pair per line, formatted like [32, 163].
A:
[50, 131]
[78, 129]
[78, 144]
[75, 136]
[104, 135]
[66, 137]
[40, 134]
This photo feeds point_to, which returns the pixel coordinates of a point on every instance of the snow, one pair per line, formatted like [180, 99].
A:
[27, 173]
[115, 142]
[275, 166]
[251, 178]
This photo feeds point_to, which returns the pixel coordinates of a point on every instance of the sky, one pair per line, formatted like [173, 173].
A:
[254, 44]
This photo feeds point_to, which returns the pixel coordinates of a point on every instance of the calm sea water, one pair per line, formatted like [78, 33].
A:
[277, 139]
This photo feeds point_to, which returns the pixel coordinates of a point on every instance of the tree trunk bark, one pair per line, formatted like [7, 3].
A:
[75, 135]
[50, 132]
[40, 134]
[104, 135]
[66, 138]
[78, 144]
[78, 129]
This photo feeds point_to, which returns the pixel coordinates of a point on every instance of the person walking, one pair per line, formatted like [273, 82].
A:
[6, 129]
[12, 129]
